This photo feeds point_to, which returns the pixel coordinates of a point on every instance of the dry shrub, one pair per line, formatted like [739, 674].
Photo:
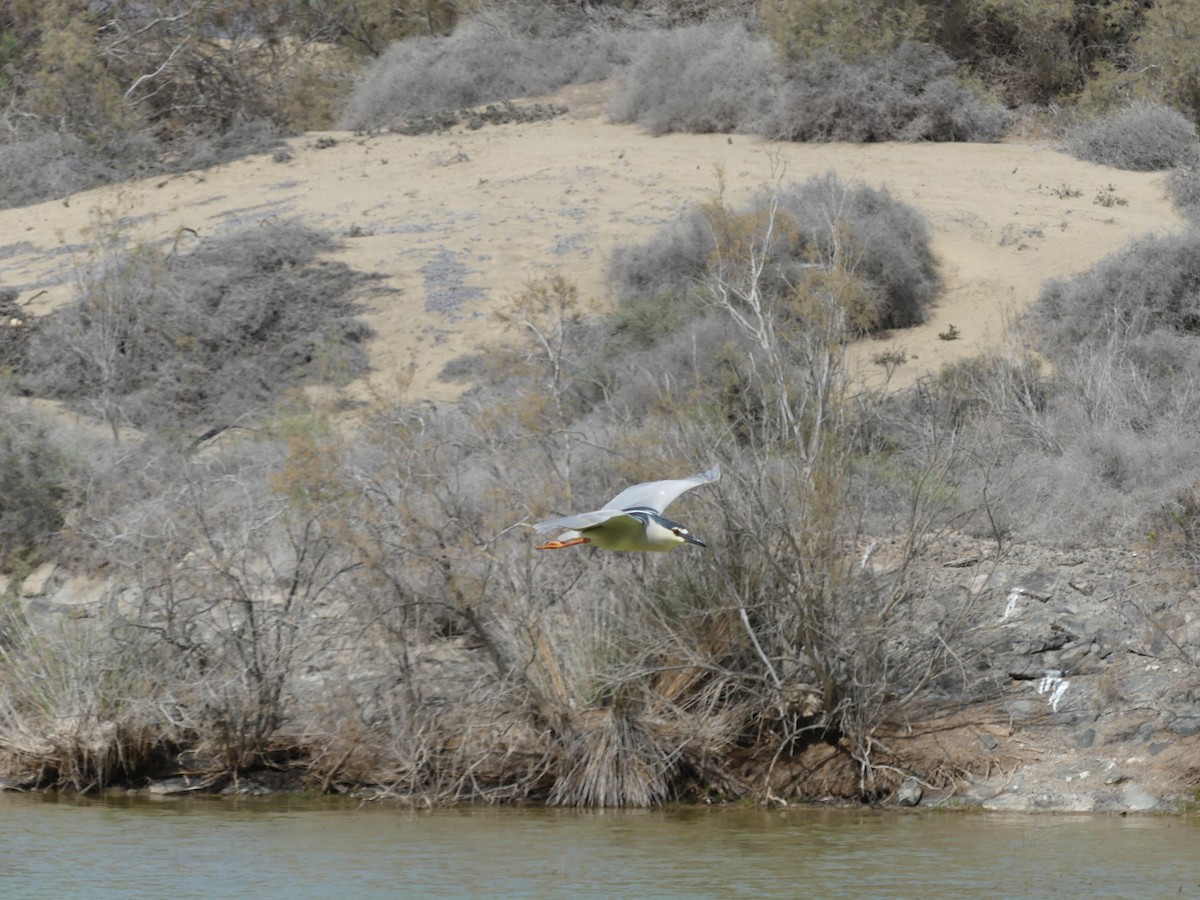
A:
[35, 487]
[370, 607]
[509, 53]
[1092, 450]
[203, 340]
[1177, 528]
[825, 648]
[1161, 54]
[1183, 185]
[1142, 288]
[910, 94]
[1037, 52]
[815, 220]
[1143, 137]
[228, 584]
[714, 77]
[720, 77]
[38, 165]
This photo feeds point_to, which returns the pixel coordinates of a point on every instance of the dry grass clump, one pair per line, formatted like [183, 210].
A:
[614, 760]
[76, 710]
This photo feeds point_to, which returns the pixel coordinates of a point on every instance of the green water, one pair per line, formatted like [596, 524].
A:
[215, 848]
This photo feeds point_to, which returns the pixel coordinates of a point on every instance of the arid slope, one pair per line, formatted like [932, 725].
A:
[458, 222]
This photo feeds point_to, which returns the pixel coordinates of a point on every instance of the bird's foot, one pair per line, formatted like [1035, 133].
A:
[558, 545]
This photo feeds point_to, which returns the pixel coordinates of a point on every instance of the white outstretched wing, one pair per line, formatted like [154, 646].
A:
[656, 495]
[577, 523]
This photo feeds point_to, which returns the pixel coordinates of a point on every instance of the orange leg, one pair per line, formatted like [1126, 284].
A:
[558, 545]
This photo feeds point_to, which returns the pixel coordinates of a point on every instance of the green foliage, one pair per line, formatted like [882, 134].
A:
[910, 94]
[371, 25]
[197, 68]
[1164, 50]
[643, 322]
[848, 29]
[1037, 52]
[103, 92]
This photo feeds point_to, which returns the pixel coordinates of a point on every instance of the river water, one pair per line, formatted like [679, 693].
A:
[216, 848]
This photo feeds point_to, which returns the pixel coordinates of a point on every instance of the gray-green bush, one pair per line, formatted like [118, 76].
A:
[1093, 450]
[1147, 286]
[200, 340]
[512, 53]
[35, 487]
[720, 77]
[714, 77]
[1183, 184]
[889, 239]
[44, 165]
[1143, 137]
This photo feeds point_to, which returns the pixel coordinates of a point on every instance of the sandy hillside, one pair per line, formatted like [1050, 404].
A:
[458, 222]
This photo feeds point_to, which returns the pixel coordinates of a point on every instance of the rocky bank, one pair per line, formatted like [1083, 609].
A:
[1083, 693]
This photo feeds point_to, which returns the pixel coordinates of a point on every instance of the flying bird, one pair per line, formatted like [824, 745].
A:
[632, 520]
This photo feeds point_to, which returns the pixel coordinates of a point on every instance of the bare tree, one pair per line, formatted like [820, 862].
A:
[833, 637]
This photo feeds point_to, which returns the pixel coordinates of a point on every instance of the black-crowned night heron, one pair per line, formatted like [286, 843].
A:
[632, 520]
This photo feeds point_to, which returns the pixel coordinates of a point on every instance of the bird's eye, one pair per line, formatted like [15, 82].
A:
[679, 532]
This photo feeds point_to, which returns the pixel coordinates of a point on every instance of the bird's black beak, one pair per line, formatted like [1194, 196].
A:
[692, 539]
